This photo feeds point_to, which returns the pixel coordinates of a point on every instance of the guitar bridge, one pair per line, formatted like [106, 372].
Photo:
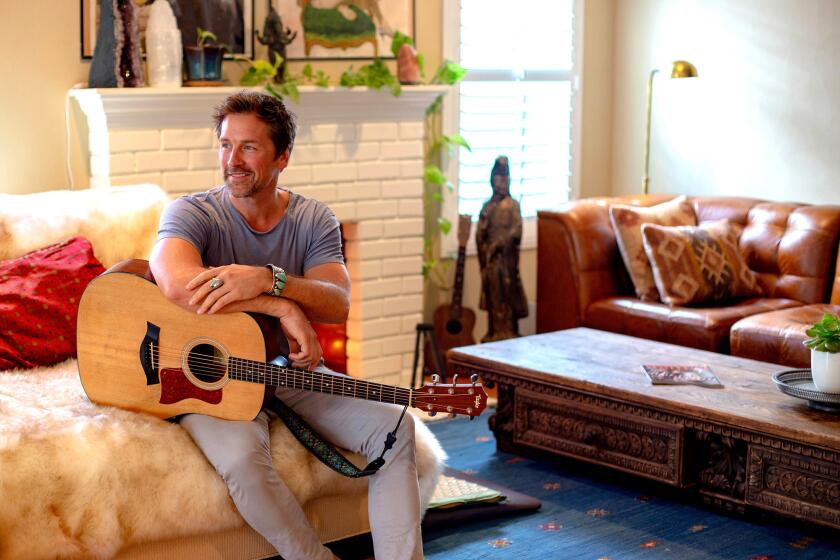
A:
[148, 354]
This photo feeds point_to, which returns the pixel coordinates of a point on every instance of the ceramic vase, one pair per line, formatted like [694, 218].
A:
[163, 47]
[825, 371]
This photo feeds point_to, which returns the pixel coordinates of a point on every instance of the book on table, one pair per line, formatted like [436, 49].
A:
[701, 375]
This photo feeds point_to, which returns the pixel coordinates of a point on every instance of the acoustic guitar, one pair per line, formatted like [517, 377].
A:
[141, 352]
[453, 324]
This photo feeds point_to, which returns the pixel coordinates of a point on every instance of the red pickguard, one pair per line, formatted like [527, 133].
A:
[175, 387]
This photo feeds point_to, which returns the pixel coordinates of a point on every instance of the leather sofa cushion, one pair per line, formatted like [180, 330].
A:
[792, 249]
[706, 328]
[698, 264]
[777, 336]
[627, 224]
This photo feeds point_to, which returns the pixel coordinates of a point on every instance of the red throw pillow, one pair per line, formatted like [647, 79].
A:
[39, 301]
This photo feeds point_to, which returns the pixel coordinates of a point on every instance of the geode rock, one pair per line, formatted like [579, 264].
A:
[116, 59]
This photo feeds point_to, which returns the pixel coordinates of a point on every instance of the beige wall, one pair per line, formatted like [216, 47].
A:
[595, 166]
[41, 61]
[762, 118]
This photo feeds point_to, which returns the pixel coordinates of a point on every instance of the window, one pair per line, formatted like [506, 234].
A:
[516, 100]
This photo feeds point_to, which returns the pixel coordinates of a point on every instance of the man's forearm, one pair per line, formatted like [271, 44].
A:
[321, 301]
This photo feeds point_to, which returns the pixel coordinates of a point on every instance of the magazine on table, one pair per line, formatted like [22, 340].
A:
[701, 375]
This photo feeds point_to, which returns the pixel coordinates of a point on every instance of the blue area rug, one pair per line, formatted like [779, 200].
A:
[590, 517]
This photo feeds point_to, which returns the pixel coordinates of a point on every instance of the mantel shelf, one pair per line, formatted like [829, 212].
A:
[191, 107]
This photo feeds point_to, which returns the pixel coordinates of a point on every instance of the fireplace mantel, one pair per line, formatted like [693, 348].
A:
[187, 107]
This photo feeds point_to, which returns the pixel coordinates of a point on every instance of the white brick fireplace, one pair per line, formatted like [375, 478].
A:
[359, 151]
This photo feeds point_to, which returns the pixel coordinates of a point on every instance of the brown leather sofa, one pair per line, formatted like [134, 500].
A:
[792, 248]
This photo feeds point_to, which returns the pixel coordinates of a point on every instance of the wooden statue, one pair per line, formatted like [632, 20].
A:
[276, 37]
[497, 238]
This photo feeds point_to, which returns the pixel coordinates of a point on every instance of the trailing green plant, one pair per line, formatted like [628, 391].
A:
[824, 335]
[260, 72]
[375, 75]
[436, 182]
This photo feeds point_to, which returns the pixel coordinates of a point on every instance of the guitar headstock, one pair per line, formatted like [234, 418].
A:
[451, 398]
[464, 225]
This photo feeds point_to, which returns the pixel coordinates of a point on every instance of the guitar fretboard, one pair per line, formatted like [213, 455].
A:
[270, 374]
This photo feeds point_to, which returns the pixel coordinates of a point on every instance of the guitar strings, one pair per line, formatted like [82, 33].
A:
[300, 375]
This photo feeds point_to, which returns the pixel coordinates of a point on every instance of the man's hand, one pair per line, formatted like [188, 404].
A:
[240, 283]
[304, 348]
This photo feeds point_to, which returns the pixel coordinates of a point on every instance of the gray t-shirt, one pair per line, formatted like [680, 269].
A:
[308, 235]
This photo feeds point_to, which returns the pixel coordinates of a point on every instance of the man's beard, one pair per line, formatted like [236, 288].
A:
[242, 190]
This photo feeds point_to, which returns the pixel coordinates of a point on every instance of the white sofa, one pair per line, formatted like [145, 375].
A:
[80, 480]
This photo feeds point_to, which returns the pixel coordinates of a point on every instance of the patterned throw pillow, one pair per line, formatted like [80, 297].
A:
[39, 301]
[698, 264]
[627, 224]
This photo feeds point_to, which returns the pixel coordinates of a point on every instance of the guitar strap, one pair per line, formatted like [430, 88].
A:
[323, 450]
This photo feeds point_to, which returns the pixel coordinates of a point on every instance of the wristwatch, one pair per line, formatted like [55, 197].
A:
[279, 276]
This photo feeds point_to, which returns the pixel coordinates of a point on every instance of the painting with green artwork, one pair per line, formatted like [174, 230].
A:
[344, 29]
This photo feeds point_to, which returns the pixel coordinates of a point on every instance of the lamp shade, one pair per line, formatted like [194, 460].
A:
[683, 69]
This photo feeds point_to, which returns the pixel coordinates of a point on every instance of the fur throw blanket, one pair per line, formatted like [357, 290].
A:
[120, 222]
[81, 480]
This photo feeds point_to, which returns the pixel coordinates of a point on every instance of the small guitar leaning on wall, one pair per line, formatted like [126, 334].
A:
[139, 351]
[453, 323]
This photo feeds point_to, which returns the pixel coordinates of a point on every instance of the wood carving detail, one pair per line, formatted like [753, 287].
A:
[554, 425]
[793, 485]
[720, 463]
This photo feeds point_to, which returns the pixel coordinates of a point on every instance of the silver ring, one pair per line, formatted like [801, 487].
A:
[216, 283]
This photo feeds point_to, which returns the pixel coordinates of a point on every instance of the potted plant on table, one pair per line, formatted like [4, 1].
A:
[204, 59]
[824, 342]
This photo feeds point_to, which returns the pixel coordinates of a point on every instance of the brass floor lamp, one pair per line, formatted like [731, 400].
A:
[680, 69]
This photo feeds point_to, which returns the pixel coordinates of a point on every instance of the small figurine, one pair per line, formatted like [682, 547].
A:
[497, 239]
[276, 37]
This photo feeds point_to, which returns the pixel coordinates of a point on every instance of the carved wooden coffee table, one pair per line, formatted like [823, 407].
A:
[581, 393]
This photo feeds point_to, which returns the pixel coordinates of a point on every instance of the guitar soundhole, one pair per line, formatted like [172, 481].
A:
[453, 327]
[206, 363]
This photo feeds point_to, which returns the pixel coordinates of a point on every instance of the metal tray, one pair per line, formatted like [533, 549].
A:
[798, 383]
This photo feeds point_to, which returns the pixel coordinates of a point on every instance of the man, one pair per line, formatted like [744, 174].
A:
[275, 252]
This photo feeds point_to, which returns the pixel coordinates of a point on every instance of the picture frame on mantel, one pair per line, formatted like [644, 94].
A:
[344, 29]
[231, 20]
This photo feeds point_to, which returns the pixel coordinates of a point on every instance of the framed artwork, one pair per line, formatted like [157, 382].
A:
[231, 20]
[344, 29]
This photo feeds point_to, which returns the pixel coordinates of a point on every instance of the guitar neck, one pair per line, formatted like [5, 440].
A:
[458, 287]
[318, 382]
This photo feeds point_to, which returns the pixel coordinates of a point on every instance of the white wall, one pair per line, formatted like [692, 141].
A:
[761, 120]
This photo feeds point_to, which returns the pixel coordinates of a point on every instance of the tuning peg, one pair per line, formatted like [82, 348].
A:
[454, 378]
[435, 379]
[474, 378]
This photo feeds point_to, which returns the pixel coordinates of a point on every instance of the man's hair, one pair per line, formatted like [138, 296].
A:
[269, 109]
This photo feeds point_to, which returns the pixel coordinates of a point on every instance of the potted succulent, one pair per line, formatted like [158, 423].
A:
[204, 59]
[824, 342]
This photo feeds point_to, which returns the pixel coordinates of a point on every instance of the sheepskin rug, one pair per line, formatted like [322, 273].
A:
[81, 480]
